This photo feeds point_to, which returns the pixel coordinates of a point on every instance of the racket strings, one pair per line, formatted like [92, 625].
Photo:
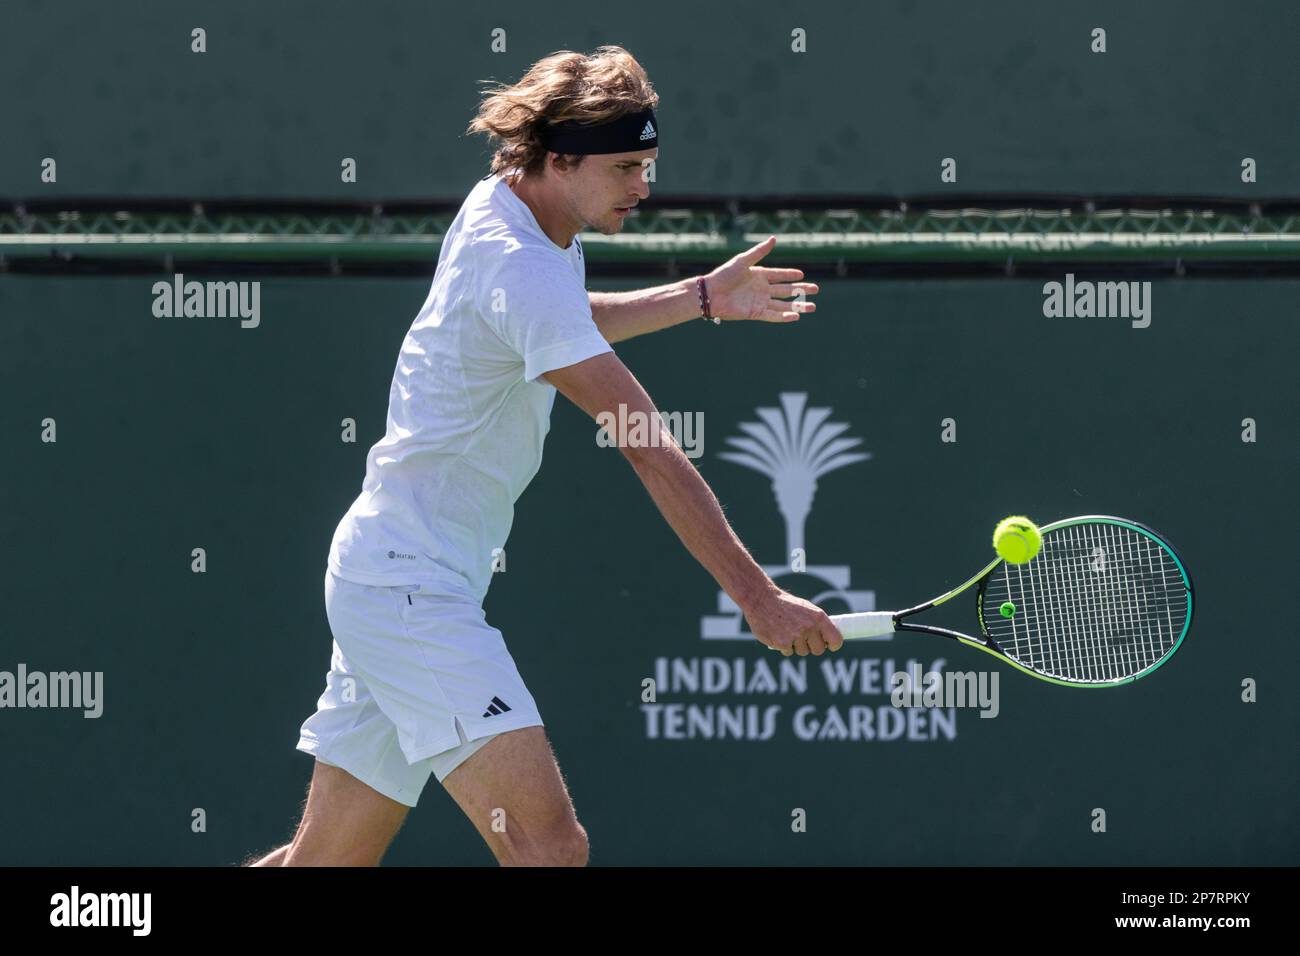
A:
[1100, 602]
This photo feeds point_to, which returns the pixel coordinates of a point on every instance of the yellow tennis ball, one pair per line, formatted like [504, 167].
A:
[1017, 539]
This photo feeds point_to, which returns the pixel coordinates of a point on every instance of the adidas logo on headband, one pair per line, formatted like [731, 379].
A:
[648, 132]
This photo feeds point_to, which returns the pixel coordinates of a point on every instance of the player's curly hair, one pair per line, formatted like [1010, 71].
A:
[599, 87]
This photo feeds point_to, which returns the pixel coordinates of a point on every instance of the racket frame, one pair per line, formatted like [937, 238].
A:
[986, 643]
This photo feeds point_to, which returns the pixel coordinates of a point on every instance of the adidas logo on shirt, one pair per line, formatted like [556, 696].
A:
[649, 131]
[497, 707]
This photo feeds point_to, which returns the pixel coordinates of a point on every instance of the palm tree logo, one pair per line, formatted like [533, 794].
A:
[793, 445]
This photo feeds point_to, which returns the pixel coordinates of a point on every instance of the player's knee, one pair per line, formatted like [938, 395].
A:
[562, 844]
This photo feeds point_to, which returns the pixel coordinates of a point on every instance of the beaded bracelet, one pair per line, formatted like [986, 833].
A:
[704, 302]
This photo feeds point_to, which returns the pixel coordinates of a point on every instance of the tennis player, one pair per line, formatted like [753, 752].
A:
[419, 683]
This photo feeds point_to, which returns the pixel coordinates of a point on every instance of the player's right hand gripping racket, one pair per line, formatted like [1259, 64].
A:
[1104, 602]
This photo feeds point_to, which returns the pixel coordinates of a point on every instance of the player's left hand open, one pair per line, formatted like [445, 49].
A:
[740, 289]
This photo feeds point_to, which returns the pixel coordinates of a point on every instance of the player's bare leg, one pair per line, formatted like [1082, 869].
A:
[512, 791]
[274, 858]
[345, 823]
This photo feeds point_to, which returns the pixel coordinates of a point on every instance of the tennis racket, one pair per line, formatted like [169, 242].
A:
[1104, 602]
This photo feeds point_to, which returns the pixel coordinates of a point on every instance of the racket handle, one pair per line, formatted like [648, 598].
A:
[864, 624]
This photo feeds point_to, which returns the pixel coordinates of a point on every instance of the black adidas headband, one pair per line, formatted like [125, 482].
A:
[627, 134]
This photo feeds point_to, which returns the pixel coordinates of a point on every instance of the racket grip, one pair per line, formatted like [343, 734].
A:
[864, 624]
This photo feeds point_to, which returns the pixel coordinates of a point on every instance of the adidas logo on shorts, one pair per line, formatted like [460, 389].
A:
[497, 707]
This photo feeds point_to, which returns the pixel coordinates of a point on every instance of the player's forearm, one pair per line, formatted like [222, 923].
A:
[692, 510]
[622, 315]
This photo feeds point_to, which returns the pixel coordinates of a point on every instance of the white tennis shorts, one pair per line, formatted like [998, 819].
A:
[417, 683]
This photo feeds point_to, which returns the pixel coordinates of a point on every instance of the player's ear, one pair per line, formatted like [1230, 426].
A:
[564, 163]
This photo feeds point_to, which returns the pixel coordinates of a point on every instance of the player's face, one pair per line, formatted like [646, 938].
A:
[608, 187]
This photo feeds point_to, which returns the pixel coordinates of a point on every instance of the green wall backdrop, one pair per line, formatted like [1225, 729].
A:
[886, 89]
[182, 433]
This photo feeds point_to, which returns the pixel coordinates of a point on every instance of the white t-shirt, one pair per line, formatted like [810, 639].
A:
[466, 415]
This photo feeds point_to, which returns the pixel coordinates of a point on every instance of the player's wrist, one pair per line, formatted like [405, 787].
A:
[754, 591]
